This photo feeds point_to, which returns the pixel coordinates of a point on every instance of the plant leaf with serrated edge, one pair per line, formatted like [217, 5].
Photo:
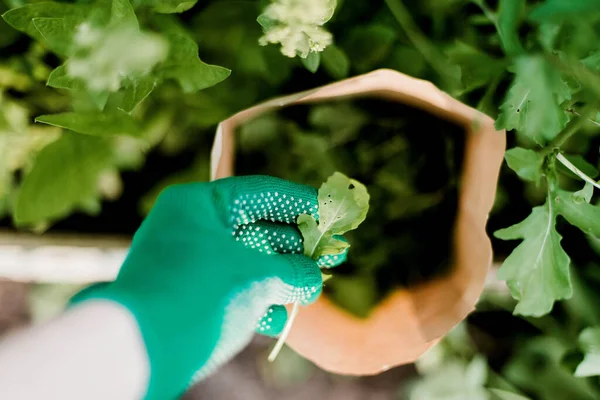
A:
[532, 105]
[582, 215]
[537, 271]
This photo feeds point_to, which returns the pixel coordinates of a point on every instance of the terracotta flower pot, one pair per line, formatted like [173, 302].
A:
[411, 320]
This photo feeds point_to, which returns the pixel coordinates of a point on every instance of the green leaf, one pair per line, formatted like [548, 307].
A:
[335, 62]
[184, 65]
[580, 214]
[509, 13]
[266, 22]
[589, 340]
[312, 61]
[63, 177]
[526, 163]
[97, 124]
[477, 68]
[559, 10]
[537, 271]
[59, 78]
[57, 33]
[533, 104]
[317, 242]
[53, 24]
[122, 14]
[136, 90]
[343, 205]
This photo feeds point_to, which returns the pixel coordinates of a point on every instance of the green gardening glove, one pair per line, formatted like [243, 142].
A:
[212, 263]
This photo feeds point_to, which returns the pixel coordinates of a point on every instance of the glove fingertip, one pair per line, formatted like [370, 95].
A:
[273, 321]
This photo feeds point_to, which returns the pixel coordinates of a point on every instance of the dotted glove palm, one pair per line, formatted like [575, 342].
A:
[212, 263]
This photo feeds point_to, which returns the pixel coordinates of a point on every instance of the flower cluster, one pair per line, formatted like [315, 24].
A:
[104, 57]
[297, 25]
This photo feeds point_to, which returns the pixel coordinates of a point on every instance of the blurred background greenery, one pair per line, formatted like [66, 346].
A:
[100, 170]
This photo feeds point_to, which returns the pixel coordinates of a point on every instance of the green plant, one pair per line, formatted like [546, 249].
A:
[113, 83]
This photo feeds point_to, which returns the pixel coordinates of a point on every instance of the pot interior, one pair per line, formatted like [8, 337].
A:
[410, 162]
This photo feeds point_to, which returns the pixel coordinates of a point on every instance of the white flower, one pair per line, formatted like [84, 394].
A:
[298, 26]
[103, 58]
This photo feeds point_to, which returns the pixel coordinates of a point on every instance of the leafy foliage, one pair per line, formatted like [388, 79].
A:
[113, 84]
[343, 205]
[537, 272]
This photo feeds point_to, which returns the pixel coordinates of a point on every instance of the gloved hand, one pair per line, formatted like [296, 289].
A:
[211, 263]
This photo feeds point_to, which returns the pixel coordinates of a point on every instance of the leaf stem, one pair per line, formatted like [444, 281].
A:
[486, 11]
[576, 170]
[286, 331]
[572, 127]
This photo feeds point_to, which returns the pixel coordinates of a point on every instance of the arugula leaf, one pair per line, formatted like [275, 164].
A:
[589, 340]
[97, 124]
[335, 61]
[53, 24]
[537, 271]
[343, 205]
[184, 65]
[63, 177]
[526, 163]
[580, 214]
[533, 103]
[316, 241]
